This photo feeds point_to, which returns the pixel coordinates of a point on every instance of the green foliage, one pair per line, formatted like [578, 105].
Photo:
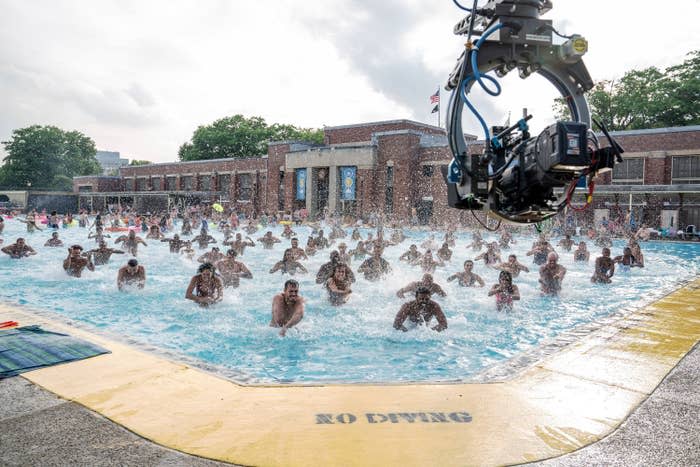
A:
[239, 136]
[46, 157]
[139, 162]
[646, 98]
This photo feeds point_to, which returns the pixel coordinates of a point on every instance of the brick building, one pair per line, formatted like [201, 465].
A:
[393, 168]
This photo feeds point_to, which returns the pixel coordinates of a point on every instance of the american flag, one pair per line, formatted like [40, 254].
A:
[435, 98]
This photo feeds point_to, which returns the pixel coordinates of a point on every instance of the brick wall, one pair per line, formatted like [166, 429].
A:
[363, 133]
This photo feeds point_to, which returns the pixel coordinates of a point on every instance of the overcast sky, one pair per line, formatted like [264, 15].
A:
[138, 77]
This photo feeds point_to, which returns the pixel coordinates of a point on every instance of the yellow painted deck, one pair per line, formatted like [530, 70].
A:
[564, 402]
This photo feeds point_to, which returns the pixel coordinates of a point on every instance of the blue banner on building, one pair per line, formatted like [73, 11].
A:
[348, 179]
[301, 184]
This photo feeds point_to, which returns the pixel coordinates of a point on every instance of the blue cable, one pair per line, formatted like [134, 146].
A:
[461, 7]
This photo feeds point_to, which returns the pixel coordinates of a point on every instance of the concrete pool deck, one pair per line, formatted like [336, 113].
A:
[564, 402]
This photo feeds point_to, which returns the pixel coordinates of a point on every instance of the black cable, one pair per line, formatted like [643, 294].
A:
[484, 225]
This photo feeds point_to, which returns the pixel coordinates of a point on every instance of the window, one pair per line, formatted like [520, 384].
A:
[223, 182]
[280, 193]
[204, 182]
[686, 169]
[156, 183]
[428, 170]
[389, 200]
[141, 184]
[187, 183]
[129, 184]
[245, 187]
[629, 172]
[171, 183]
[85, 188]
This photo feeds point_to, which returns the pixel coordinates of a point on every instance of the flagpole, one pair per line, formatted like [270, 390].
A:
[438, 106]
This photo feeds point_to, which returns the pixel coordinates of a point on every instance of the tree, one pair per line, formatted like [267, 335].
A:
[134, 162]
[46, 157]
[646, 98]
[239, 136]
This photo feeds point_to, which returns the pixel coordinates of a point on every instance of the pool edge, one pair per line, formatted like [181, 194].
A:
[566, 401]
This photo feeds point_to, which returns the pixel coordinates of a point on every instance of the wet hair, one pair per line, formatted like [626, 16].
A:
[506, 275]
[469, 262]
[205, 266]
[422, 290]
[76, 247]
[290, 283]
[231, 252]
[132, 263]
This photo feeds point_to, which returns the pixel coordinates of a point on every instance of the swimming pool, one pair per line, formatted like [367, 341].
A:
[352, 343]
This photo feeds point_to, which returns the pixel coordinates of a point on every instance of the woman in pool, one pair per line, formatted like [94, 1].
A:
[205, 288]
[338, 286]
[505, 292]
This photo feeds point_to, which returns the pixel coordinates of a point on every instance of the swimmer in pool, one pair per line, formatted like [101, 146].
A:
[375, 267]
[175, 243]
[131, 274]
[551, 275]
[76, 261]
[626, 260]
[288, 265]
[326, 271]
[412, 255]
[19, 249]
[205, 288]
[427, 282]
[338, 286]
[211, 256]
[505, 292]
[604, 268]
[490, 256]
[512, 266]
[102, 254]
[268, 240]
[581, 253]
[566, 242]
[240, 245]
[444, 253]
[203, 239]
[54, 241]
[420, 311]
[297, 252]
[467, 278]
[131, 242]
[287, 307]
[231, 270]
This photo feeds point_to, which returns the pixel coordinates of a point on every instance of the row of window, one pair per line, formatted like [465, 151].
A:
[245, 184]
[684, 169]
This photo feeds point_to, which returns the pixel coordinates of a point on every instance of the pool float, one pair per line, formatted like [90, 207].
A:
[8, 324]
[285, 222]
[117, 229]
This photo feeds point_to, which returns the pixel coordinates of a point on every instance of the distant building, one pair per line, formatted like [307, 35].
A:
[395, 168]
[110, 162]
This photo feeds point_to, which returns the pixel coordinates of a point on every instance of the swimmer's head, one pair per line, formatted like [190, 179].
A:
[295, 242]
[468, 264]
[342, 246]
[176, 237]
[512, 258]
[335, 256]
[132, 263]
[427, 278]
[422, 294]
[606, 251]
[291, 289]
[103, 244]
[232, 253]
[552, 258]
[412, 247]
[582, 245]
[54, 235]
[76, 247]
[505, 276]
[206, 267]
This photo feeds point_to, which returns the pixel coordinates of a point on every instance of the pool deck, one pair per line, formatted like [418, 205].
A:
[564, 402]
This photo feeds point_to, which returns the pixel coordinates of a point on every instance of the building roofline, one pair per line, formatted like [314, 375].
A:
[655, 131]
[205, 161]
[113, 177]
[383, 122]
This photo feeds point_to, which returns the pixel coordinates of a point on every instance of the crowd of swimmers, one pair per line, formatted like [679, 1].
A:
[219, 270]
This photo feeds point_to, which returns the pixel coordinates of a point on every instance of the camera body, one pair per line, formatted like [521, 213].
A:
[516, 174]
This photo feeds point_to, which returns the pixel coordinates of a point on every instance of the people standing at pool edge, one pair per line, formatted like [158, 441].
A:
[287, 307]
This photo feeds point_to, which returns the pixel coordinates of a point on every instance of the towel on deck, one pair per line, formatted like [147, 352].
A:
[30, 347]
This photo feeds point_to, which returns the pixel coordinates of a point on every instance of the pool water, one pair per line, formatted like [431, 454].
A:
[352, 343]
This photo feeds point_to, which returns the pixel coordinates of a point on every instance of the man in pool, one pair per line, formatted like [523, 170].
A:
[19, 249]
[512, 266]
[268, 240]
[551, 275]
[205, 288]
[54, 241]
[490, 256]
[131, 274]
[426, 282]
[287, 307]
[288, 265]
[467, 278]
[240, 245]
[412, 255]
[231, 270]
[102, 254]
[581, 253]
[420, 311]
[131, 242]
[297, 252]
[375, 267]
[175, 243]
[604, 268]
[325, 272]
[211, 256]
[76, 262]
[203, 239]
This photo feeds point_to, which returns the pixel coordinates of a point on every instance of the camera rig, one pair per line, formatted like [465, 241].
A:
[515, 174]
